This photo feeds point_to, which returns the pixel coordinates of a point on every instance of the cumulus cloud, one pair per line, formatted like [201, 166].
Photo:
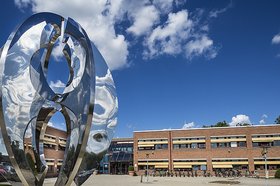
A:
[168, 38]
[276, 39]
[240, 119]
[200, 46]
[57, 86]
[263, 118]
[188, 125]
[144, 19]
[262, 121]
[162, 27]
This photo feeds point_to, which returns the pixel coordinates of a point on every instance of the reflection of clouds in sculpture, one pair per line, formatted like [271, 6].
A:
[78, 61]
[105, 101]
[107, 79]
[29, 41]
[57, 86]
[25, 91]
[17, 99]
[77, 55]
[74, 138]
[28, 132]
[2, 145]
[57, 50]
[98, 141]
[113, 122]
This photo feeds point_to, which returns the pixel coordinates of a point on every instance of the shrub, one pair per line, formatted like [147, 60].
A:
[130, 168]
[277, 174]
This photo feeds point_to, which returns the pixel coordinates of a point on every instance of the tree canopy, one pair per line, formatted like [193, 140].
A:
[277, 120]
[219, 124]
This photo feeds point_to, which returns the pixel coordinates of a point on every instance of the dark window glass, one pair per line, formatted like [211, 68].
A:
[276, 143]
[183, 146]
[242, 144]
[214, 145]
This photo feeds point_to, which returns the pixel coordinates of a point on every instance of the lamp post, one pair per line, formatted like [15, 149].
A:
[147, 156]
[264, 154]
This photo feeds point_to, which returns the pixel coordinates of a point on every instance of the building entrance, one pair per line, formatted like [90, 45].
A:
[119, 167]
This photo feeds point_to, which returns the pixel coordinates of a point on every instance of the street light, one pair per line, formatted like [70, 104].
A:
[264, 154]
[147, 156]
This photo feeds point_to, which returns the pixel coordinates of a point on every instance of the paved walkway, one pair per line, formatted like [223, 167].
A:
[116, 180]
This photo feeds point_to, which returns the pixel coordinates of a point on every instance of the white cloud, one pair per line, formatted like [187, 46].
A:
[276, 39]
[50, 123]
[98, 24]
[164, 5]
[262, 121]
[215, 13]
[166, 27]
[188, 125]
[240, 119]
[22, 3]
[169, 37]
[200, 46]
[144, 19]
[57, 86]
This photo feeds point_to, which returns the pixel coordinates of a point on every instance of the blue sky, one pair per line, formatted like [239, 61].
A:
[195, 63]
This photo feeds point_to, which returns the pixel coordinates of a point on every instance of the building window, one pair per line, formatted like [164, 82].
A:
[161, 146]
[176, 146]
[242, 144]
[262, 144]
[214, 145]
[194, 145]
[201, 145]
[230, 144]
[276, 143]
[183, 146]
[146, 148]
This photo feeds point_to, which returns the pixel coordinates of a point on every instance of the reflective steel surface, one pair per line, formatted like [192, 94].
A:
[84, 93]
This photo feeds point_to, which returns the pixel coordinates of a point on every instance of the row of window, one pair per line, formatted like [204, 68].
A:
[190, 146]
[229, 144]
[52, 146]
[228, 137]
[268, 144]
[125, 147]
[212, 138]
[154, 147]
[152, 140]
[266, 136]
[189, 139]
[213, 145]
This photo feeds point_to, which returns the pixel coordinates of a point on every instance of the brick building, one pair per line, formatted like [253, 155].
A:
[54, 147]
[208, 149]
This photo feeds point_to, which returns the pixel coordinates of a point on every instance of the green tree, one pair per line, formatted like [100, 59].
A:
[277, 120]
[221, 124]
[243, 124]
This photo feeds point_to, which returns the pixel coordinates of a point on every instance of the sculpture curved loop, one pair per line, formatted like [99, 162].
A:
[29, 99]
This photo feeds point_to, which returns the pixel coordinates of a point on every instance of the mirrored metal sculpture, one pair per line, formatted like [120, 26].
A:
[29, 97]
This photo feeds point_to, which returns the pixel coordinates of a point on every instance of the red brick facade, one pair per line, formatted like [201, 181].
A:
[251, 157]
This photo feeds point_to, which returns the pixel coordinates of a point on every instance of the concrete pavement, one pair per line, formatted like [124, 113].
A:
[124, 180]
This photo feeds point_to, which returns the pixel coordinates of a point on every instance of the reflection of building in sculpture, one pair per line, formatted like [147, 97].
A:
[54, 146]
[118, 158]
[209, 149]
